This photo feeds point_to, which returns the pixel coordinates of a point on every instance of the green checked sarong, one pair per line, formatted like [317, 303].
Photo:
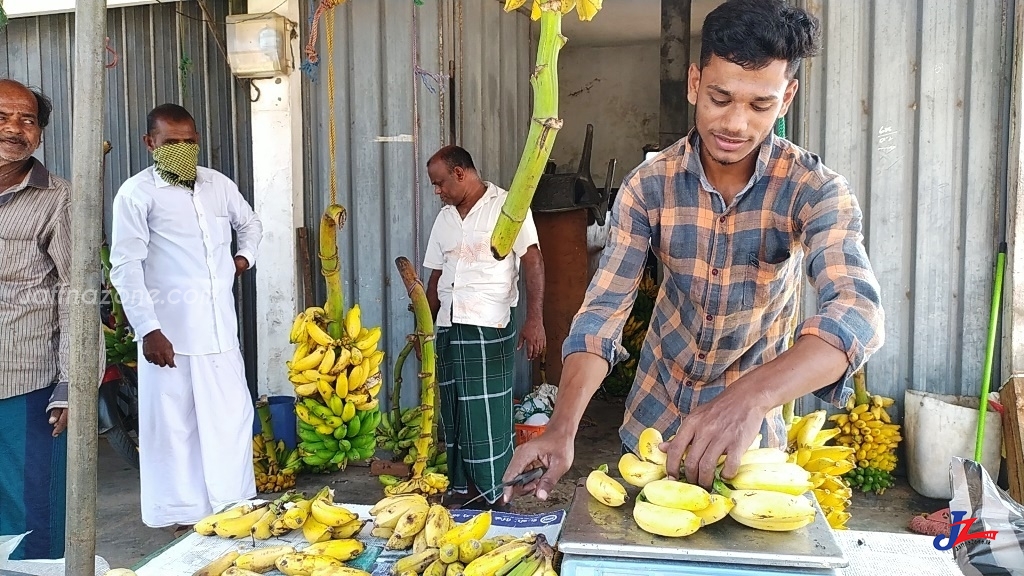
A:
[475, 376]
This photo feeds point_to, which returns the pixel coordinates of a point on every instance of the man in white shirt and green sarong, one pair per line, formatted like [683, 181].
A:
[173, 268]
[472, 296]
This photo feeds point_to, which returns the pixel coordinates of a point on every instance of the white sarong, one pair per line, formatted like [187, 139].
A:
[195, 437]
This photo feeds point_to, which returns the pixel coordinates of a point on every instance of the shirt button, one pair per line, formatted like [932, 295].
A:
[689, 384]
[702, 355]
[709, 317]
[722, 219]
[714, 271]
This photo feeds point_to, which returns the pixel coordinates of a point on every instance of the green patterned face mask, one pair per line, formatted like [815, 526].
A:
[176, 163]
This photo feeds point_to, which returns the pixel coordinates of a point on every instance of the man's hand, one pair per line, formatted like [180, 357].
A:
[726, 425]
[157, 349]
[59, 420]
[241, 265]
[551, 450]
[533, 336]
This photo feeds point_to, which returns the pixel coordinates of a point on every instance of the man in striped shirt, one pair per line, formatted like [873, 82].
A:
[737, 216]
[35, 263]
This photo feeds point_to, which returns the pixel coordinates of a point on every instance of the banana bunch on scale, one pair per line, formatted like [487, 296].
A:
[336, 383]
[274, 465]
[827, 464]
[767, 493]
[439, 546]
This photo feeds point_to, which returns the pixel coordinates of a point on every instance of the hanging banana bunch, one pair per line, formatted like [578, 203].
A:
[335, 369]
[544, 123]
[867, 428]
[826, 464]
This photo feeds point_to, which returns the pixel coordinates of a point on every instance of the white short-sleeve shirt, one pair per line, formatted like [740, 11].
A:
[474, 287]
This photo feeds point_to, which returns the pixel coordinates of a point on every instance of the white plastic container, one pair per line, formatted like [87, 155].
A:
[939, 427]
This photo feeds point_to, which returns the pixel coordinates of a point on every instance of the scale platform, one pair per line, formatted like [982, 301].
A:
[598, 540]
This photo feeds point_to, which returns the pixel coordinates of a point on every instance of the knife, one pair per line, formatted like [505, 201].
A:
[521, 480]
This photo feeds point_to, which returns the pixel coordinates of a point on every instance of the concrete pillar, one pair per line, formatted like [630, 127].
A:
[277, 154]
[675, 60]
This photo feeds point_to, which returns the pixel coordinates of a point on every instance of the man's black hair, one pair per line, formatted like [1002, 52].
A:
[167, 113]
[453, 157]
[753, 33]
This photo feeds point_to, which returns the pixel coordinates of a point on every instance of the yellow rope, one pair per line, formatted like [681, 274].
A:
[331, 135]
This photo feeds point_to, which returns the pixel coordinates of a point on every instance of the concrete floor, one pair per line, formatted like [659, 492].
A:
[123, 540]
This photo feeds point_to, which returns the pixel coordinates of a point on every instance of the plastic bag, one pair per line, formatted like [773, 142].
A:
[540, 401]
[986, 525]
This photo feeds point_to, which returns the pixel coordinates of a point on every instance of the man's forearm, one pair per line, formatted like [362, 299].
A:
[582, 374]
[533, 266]
[808, 366]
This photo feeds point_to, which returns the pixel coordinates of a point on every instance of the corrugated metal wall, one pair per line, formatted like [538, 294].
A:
[391, 117]
[165, 53]
[892, 102]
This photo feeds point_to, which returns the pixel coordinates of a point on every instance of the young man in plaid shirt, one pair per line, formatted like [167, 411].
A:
[737, 216]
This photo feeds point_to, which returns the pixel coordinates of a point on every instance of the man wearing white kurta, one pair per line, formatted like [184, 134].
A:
[173, 268]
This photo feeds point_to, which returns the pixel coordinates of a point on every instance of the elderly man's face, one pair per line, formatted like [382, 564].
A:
[20, 132]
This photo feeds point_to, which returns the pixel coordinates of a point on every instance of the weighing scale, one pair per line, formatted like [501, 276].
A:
[599, 540]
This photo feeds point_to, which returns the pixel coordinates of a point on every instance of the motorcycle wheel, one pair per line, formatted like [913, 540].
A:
[122, 398]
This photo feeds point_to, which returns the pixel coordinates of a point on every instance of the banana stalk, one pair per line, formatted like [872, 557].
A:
[263, 410]
[425, 333]
[330, 266]
[544, 126]
[396, 392]
[860, 389]
[787, 412]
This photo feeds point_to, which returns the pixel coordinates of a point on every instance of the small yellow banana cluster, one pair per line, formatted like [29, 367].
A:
[585, 9]
[529, 555]
[868, 429]
[347, 368]
[826, 464]
[323, 559]
[408, 521]
[274, 465]
[429, 484]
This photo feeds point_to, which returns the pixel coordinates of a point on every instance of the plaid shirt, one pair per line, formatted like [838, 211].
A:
[728, 300]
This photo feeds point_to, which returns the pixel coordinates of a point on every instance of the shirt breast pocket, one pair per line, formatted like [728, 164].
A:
[221, 232]
[17, 256]
[764, 281]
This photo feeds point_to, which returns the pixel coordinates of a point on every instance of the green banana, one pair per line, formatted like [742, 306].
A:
[340, 432]
[353, 427]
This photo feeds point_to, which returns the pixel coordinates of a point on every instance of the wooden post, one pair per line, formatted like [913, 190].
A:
[1012, 398]
[675, 64]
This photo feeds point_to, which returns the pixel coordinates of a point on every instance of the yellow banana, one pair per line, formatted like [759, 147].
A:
[310, 361]
[315, 531]
[415, 562]
[341, 385]
[239, 527]
[419, 542]
[307, 390]
[376, 359]
[262, 560]
[304, 564]
[769, 510]
[331, 515]
[473, 529]
[367, 406]
[648, 447]
[298, 329]
[356, 377]
[381, 532]
[349, 530]
[456, 569]
[840, 468]
[339, 571]
[718, 509]
[205, 526]
[513, 5]
[390, 500]
[763, 455]
[448, 553]
[815, 420]
[357, 356]
[587, 9]
[295, 517]
[261, 529]
[412, 522]
[671, 522]
[396, 543]
[325, 389]
[490, 563]
[344, 357]
[435, 568]
[330, 356]
[389, 516]
[236, 571]
[794, 429]
[676, 495]
[344, 550]
[373, 385]
[367, 343]
[780, 477]
[470, 550]
[439, 521]
[218, 566]
[318, 335]
[605, 489]
[639, 472]
[352, 324]
[834, 452]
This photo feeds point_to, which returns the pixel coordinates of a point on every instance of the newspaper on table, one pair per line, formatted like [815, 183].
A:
[893, 554]
[194, 551]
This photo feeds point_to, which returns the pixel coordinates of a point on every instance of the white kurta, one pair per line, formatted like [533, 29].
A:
[174, 271]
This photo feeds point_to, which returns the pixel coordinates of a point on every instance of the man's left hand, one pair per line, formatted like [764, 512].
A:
[59, 419]
[533, 336]
[241, 265]
[725, 426]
